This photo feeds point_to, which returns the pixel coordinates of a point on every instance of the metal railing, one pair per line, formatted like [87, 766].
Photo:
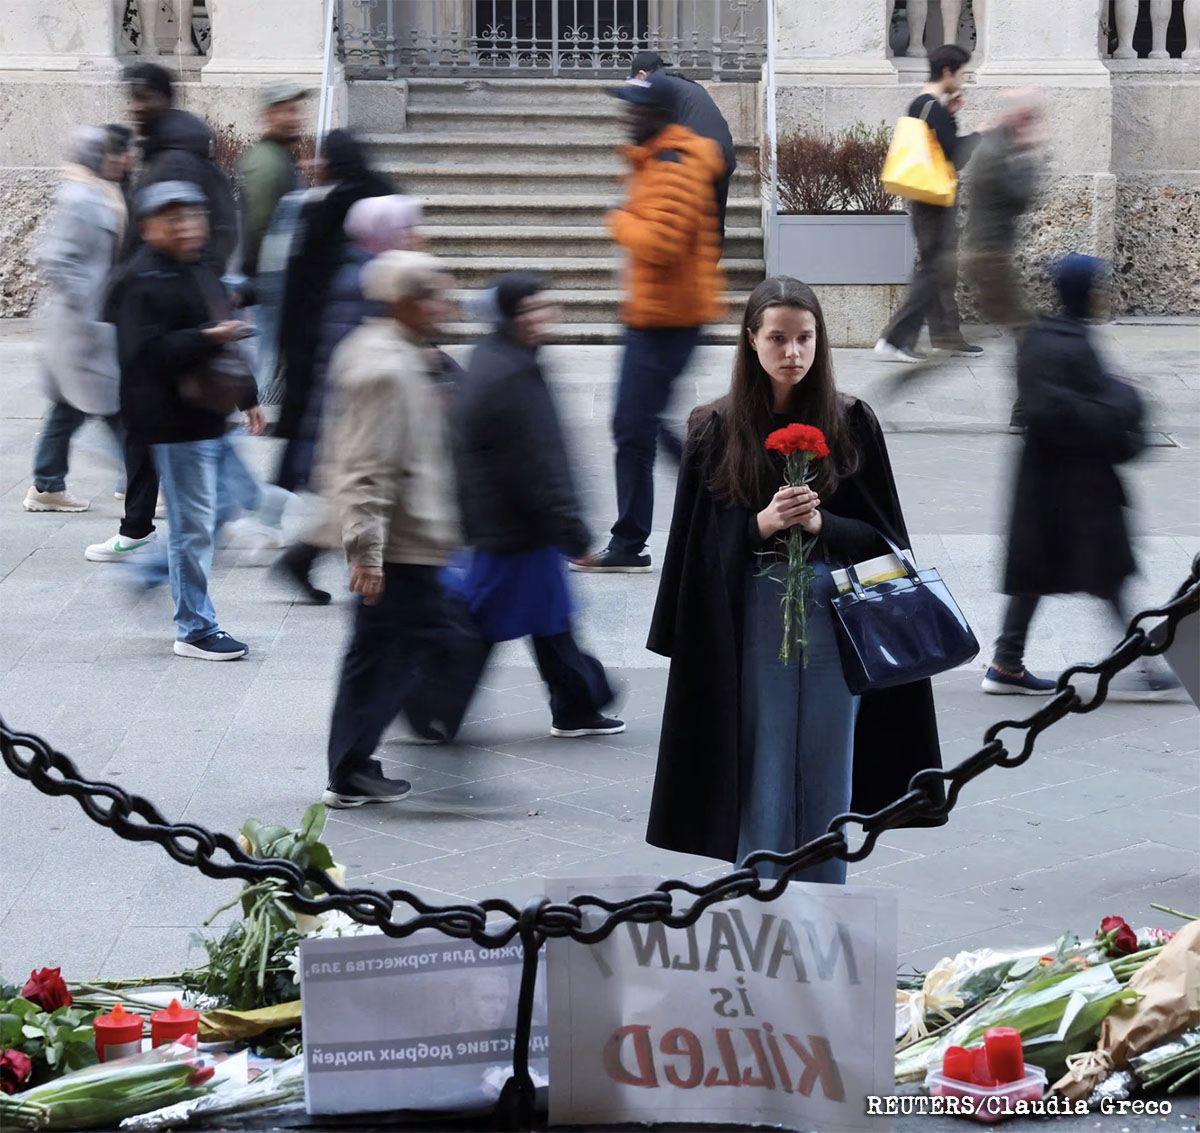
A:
[718, 39]
[493, 923]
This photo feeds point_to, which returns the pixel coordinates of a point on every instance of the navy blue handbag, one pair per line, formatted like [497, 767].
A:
[899, 630]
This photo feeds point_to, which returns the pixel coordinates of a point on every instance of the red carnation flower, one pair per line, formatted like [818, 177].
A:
[798, 438]
[47, 989]
[15, 1069]
[1116, 937]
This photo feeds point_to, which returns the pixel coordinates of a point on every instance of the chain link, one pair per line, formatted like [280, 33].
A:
[219, 856]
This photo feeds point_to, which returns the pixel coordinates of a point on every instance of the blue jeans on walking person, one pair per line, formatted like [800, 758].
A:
[204, 484]
[50, 459]
[653, 358]
[798, 722]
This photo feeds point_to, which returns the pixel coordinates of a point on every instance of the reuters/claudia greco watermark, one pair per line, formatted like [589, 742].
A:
[967, 1106]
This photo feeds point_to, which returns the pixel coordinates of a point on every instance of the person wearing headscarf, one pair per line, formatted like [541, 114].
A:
[78, 350]
[1068, 533]
[520, 511]
[372, 226]
[318, 250]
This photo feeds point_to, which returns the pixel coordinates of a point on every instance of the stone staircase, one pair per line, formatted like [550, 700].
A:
[518, 173]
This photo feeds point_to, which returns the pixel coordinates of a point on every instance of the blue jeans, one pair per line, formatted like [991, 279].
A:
[54, 445]
[204, 484]
[797, 756]
[652, 360]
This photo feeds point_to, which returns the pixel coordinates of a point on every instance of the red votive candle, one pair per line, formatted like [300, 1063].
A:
[958, 1063]
[173, 1022]
[118, 1035]
[980, 1074]
[1005, 1058]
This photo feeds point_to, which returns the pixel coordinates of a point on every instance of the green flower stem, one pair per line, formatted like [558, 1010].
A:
[1175, 912]
[798, 574]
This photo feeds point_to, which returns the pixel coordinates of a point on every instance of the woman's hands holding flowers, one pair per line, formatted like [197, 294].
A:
[791, 507]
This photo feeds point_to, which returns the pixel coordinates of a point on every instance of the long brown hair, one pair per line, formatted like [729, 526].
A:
[744, 474]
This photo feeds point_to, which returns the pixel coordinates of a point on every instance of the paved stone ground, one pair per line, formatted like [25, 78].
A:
[1102, 820]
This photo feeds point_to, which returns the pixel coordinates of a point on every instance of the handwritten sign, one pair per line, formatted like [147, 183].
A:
[420, 1023]
[778, 1013]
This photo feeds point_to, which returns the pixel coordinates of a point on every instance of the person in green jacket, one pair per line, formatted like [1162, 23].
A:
[267, 170]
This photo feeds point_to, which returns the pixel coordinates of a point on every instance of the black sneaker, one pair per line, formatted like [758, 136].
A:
[597, 726]
[295, 565]
[362, 787]
[1143, 684]
[217, 646]
[1000, 683]
[609, 561]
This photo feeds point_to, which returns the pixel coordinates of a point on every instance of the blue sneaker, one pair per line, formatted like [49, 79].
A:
[1000, 683]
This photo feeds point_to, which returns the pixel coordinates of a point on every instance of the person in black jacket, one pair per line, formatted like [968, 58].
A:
[935, 277]
[173, 330]
[1068, 533]
[756, 754]
[696, 110]
[520, 512]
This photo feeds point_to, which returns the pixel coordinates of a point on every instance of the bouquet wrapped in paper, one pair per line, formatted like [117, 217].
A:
[1168, 1002]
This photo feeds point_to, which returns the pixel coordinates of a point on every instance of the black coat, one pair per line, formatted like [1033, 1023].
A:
[697, 111]
[160, 307]
[319, 250]
[516, 492]
[698, 624]
[180, 148]
[1068, 532]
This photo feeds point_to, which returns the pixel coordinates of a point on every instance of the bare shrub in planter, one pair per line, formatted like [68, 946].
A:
[837, 173]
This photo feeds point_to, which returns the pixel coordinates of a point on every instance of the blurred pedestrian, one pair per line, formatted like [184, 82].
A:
[78, 349]
[1004, 178]
[699, 113]
[519, 506]
[673, 284]
[124, 157]
[175, 146]
[758, 754]
[317, 253]
[373, 225]
[179, 381]
[935, 227]
[1068, 533]
[386, 464]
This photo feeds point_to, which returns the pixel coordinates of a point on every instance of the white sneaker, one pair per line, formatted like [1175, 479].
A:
[118, 548]
[248, 533]
[52, 501]
[885, 351]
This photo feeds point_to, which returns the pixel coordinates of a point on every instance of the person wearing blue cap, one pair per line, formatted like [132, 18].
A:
[181, 377]
[1068, 533]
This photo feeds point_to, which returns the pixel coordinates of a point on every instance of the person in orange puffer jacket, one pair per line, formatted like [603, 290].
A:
[668, 227]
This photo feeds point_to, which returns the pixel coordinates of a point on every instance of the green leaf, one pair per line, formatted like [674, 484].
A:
[269, 834]
[32, 1032]
[252, 832]
[312, 825]
[320, 856]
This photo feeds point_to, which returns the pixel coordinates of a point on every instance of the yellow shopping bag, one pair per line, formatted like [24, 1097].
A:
[915, 167]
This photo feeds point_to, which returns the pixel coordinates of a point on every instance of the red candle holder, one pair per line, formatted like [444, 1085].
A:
[958, 1063]
[1005, 1056]
[173, 1022]
[118, 1034]
[980, 1074]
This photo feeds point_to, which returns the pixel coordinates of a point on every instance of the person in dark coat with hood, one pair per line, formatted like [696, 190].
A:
[318, 251]
[1068, 533]
[756, 754]
[519, 508]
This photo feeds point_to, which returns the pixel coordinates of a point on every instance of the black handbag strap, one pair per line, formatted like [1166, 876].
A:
[909, 568]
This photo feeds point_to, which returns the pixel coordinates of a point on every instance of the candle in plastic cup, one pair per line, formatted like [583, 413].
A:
[118, 1035]
[1005, 1058]
[172, 1023]
[958, 1063]
[980, 1074]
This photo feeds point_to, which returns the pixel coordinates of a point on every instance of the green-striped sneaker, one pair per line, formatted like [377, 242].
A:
[118, 548]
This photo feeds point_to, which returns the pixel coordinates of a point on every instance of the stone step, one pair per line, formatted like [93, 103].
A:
[510, 151]
[498, 237]
[574, 273]
[546, 210]
[586, 333]
[540, 181]
[462, 93]
[603, 306]
[599, 123]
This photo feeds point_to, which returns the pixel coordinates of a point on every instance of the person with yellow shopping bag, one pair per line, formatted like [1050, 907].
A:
[929, 180]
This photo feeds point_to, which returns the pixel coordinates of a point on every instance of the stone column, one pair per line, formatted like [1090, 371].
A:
[44, 37]
[843, 41]
[256, 41]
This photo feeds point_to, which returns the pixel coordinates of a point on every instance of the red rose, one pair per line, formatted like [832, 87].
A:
[798, 438]
[1116, 937]
[15, 1069]
[47, 989]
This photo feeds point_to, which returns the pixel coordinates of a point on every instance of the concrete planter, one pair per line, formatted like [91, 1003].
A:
[841, 248]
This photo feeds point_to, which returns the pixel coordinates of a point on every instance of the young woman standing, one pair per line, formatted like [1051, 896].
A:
[756, 754]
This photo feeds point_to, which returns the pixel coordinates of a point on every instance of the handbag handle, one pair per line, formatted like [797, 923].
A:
[909, 568]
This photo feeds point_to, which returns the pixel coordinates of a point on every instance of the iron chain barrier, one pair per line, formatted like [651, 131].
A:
[493, 923]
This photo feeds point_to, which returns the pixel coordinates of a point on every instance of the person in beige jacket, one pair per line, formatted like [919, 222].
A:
[388, 476]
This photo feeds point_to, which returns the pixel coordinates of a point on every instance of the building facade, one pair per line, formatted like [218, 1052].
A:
[1122, 78]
